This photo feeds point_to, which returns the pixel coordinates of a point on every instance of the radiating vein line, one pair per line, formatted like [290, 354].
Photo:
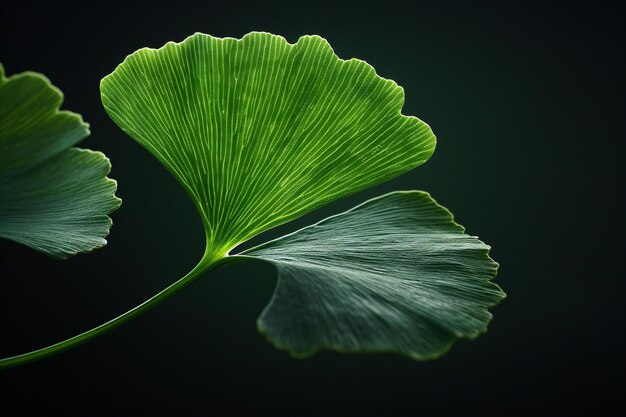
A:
[260, 131]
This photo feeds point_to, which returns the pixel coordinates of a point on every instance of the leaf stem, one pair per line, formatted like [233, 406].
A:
[204, 265]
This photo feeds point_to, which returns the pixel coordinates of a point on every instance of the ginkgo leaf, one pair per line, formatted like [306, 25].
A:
[53, 198]
[260, 131]
[395, 273]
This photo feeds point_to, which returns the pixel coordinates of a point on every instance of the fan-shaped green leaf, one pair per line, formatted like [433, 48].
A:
[53, 198]
[393, 274]
[260, 131]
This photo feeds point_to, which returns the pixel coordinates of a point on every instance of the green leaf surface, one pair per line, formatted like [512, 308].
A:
[53, 198]
[260, 131]
[395, 273]
[32, 129]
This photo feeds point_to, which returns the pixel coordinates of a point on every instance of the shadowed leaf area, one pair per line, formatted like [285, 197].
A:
[393, 274]
[53, 198]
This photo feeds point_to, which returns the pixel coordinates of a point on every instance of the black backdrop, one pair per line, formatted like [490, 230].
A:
[528, 105]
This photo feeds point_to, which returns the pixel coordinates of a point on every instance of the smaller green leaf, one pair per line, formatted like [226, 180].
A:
[53, 198]
[393, 274]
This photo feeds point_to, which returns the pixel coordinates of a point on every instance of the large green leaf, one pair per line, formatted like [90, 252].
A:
[395, 273]
[53, 198]
[260, 131]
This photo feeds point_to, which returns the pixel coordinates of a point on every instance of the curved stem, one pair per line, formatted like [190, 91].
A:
[203, 266]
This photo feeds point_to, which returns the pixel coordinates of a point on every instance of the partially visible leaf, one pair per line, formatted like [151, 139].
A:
[53, 198]
[32, 129]
[260, 131]
[393, 274]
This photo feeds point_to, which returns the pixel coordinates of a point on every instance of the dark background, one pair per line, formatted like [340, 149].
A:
[527, 102]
